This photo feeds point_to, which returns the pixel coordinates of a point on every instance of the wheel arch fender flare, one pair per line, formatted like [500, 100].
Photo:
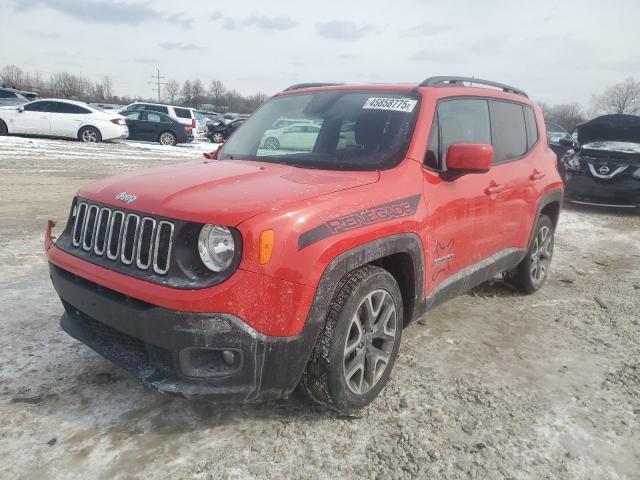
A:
[549, 200]
[407, 244]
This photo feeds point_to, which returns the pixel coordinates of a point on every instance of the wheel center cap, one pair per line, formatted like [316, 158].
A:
[368, 338]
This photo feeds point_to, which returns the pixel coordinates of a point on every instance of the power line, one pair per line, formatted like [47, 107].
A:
[157, 83]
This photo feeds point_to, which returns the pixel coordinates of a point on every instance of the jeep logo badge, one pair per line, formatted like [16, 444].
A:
[126, 197]
[603, 170]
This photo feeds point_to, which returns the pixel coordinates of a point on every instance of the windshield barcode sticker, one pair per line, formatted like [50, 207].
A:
[396, 104]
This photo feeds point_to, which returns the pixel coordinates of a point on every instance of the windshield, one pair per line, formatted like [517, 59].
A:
[334, 130]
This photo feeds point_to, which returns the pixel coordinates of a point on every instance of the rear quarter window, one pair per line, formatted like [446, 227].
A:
[532, 128]
[183, 112]
[508, 129]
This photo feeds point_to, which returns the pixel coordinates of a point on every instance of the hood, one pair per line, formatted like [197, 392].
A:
[610, 128]
[225, 192]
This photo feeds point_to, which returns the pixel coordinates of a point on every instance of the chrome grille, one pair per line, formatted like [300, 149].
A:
[123, 237]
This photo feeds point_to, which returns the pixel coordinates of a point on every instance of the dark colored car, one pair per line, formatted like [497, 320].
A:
[219, 132]
[604, 169]
[559, 139]
[156, 127]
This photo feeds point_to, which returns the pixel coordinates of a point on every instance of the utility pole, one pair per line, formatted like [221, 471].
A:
[157, 83]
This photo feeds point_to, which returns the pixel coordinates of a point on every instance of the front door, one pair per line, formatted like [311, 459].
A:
[460, 232]
[35, 118]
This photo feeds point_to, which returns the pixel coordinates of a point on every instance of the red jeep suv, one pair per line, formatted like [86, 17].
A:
[298, 252]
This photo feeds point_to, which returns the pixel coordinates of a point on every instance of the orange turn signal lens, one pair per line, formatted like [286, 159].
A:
[266, 246]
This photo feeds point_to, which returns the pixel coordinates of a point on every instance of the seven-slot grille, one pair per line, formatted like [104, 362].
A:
[123, 237]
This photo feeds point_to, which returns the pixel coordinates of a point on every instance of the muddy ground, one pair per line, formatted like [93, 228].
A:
[491, 385]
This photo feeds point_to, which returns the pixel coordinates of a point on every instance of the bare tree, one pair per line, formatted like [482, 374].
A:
[12, 76]
[216, 92]
[102, 90]
[623, 97]
[567, 115]
[197, 92]
[67, 85]
[171, 89]
[186, 93]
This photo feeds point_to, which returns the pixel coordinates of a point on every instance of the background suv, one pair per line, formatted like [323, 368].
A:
[183, 115]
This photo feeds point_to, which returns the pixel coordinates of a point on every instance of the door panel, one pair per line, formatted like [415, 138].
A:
[34, 120]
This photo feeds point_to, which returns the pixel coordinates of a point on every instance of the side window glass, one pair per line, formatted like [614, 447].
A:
[431, 158]
[462, 121]
[509, 131]
[532, 128]
[137, 106]
[133, 115]
[40, 107]
[153, 117]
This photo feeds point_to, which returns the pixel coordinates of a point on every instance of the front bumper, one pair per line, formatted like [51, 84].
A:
[181, 352]
[617, 192]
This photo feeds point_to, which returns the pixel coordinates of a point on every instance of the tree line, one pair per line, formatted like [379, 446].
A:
[192, 93]
[623, 97]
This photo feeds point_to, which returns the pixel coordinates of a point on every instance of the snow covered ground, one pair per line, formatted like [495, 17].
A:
[490, 385]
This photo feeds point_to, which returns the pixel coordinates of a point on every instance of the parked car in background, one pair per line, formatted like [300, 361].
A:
[604, 169]
[9, 96]
[156, 127]
[299, 136]
[183, 115]
[62, 118]
[219, 132]
[229, 116]
[559, 139]
[107, 106]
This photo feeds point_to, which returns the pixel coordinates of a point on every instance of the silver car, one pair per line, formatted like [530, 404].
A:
[9, 96]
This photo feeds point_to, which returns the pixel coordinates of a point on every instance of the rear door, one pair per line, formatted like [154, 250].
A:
[67, 119]
[35, 119]
[460, 230]
[150, 126]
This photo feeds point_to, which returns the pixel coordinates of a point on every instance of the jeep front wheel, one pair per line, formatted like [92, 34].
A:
[356, 351]
[530, 274]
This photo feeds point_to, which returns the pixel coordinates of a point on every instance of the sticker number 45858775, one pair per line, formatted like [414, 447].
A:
[397, 104]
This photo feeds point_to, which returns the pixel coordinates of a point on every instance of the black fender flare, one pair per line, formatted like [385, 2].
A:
[405, 243]
[552, 196]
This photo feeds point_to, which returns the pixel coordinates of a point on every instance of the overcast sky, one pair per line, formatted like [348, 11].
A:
[557, 51]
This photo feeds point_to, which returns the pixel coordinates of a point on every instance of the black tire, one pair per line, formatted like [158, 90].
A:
[217, 137]
[272, 143]
[530, 274]
[89, 135]
[3, 128]
[167, 138]
[331, 377]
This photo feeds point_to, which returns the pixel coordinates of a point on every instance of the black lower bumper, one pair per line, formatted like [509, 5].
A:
[617, 192]
[193, 354]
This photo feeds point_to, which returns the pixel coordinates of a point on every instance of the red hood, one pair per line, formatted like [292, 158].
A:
[219, 191]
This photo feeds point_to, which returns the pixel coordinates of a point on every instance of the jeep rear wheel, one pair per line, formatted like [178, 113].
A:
[530, 274]
[355, 353]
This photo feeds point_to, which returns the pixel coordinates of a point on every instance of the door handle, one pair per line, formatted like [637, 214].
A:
[44, 118]
[536, 175]
[494, 189]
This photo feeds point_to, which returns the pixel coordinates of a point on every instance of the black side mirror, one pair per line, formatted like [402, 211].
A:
[20, 109]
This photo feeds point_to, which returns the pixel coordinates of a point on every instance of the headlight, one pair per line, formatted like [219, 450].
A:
[216, 247]
[571, 161]
[636, 174]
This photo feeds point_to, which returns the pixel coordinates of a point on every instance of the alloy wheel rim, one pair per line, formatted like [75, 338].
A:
[370, 340]
[271, 144]
[166, 139]
[89, 136]
[541, 255]
[217, 137]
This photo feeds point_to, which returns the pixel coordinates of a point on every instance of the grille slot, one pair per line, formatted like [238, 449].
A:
[123, 237]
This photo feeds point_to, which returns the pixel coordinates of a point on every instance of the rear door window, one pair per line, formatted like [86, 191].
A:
[132, 115]
[62, 107]
[154, 117]
[182, 112]
[157, 108]
[462, 120]
[7, 94]
[509, 131]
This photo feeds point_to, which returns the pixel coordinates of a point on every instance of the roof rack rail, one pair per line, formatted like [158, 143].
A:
[431, 81]
[298, 86]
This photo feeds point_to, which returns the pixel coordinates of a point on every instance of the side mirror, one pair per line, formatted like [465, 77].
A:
[469, 157]
[20, 109]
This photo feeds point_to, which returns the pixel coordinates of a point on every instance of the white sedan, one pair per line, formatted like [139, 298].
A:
[62, 118]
